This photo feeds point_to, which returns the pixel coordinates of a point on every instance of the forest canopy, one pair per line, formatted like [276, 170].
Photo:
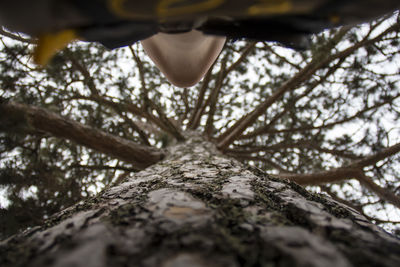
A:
[327, 118]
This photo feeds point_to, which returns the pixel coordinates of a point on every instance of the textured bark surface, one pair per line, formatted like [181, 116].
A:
[199, 208]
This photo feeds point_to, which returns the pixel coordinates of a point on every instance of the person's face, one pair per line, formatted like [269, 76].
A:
[183, 58]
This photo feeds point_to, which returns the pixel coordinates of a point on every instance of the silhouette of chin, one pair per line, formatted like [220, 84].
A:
[183, 58]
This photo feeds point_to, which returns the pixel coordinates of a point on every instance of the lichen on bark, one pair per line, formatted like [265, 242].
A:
[200, 208]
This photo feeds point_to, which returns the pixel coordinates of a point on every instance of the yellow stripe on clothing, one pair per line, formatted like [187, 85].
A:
[270, 7]
[49, 44]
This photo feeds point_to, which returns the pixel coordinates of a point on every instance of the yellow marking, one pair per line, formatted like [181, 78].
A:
[270, 7]
[49, 44]
[117, 7]
[165, 8]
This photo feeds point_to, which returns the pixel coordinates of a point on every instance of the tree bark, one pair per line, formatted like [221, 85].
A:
[200, 208]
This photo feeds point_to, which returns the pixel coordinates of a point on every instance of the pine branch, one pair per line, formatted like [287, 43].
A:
[199, 108]
[286, 145]
[353, 170]
[383, 193]
[237, 129]
[127, 107]
[185, 98]
[342, 173]
[139, 64]
[329, 125]
[320, 61]
[250, 47]
[136, 128]
[120, 109]
[103, 167]
[169, 126]
[323, 177]
[144, 90]
[16, 37]
[268, 47]
[214, 99]
[162, 121]
[373, 159]
[358, 208]
[289, 106]
[19, 117]
[333, 195]
[83, 70]
[271, 148]
[265, 159]
[17, 58]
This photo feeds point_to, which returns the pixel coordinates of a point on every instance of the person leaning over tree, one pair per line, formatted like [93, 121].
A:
[182, 37]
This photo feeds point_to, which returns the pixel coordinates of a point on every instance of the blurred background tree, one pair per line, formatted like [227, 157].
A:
[327, 118]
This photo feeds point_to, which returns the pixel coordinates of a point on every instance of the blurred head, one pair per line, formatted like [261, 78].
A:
[183, 58]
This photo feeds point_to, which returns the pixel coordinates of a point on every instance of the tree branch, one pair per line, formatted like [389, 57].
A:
[291, 105]
[197, 116]
[128, 107]
[82, 69]
[333, 195]
[383, 193]
[136, 128]
[354, 170]
[342, 173]
[170, 127]
[325, 126]
[199, 108]
[300, 144]
[247, 50]
[17, 117]
[237, 129]
[304, 74]
[321, 60]
[373, 159]
[103, 167]
[268, 47]
[323, 177]
[16, 37]
[144, 90]
[185, 98]
[274, 165]
[214, 98]
[140, 68]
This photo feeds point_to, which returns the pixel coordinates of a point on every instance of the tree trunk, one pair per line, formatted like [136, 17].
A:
[199, 208]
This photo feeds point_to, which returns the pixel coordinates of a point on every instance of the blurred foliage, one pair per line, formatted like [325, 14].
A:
[347, 110]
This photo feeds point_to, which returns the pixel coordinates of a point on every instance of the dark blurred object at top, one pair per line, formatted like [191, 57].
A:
[116, 23]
